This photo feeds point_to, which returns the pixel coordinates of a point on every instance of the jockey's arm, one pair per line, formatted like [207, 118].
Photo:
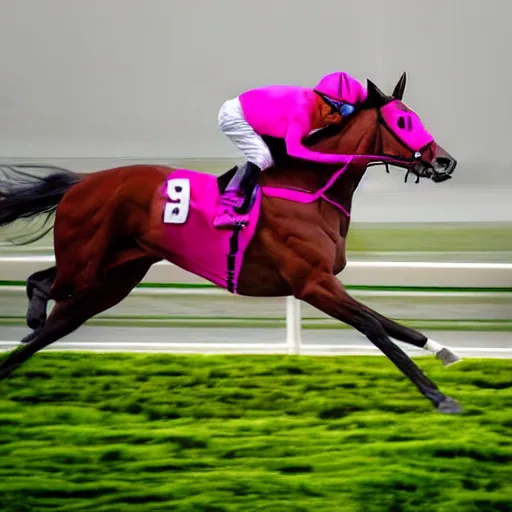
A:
[297, 129]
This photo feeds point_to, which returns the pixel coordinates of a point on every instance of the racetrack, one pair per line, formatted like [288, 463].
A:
[184, 433]
[235, 340]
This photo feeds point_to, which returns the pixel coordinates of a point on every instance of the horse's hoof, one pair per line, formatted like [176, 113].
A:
[30, 337]
[36, 314]
[447, 357]
[449, 406]
[36, 322]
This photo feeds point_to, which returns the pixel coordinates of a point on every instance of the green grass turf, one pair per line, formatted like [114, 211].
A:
[123, 432]
[435, 237]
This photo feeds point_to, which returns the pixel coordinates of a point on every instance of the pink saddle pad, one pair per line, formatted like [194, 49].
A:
[191, 240]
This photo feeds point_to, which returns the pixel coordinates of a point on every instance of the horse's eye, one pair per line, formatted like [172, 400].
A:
[401, 123]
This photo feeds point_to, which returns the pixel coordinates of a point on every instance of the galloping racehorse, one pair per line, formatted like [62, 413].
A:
[112, 226]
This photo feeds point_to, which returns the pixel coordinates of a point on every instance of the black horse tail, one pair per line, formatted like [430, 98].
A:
[25, 195]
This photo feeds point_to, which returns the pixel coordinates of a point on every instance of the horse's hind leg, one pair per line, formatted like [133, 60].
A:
[70, 314]
[326, 293]
[38, 293]
[80, 254]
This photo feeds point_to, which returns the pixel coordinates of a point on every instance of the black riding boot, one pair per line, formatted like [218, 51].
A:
[250, 174]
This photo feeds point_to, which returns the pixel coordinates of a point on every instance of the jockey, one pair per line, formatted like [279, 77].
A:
[285, 112]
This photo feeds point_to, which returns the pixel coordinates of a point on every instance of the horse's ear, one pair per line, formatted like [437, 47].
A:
[375, 97]
[398, 92]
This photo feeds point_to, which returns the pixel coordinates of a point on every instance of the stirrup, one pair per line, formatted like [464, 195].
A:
[229, 222]
[249, 200]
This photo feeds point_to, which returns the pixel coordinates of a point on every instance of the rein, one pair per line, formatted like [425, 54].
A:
[414, 165]
[306, 197]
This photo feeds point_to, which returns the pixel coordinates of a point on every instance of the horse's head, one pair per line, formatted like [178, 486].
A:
[384, 130]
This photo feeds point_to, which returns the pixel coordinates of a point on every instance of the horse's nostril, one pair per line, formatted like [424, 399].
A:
[446, 164]
[441, 160]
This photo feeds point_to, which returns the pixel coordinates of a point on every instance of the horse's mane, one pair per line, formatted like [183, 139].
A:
[278, 150]
[278, 147]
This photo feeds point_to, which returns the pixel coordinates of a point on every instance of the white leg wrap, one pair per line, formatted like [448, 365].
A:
[433, 346]
[444, 354]
[232, 123]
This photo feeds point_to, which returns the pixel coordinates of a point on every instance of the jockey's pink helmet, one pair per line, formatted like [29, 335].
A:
[341, 86]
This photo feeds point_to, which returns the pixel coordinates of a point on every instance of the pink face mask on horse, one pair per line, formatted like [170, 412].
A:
[406, 126]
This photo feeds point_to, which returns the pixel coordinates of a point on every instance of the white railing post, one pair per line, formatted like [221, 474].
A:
[293, 325]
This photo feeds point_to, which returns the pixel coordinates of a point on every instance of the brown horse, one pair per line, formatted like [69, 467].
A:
[110, 228]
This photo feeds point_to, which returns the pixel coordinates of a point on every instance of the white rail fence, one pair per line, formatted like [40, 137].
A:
[373, 273]
[453, 275]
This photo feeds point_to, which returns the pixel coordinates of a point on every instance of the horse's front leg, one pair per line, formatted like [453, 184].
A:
[325, 292]
[413, 337]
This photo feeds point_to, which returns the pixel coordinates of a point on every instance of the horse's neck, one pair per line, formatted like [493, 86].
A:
[312, 177]
[301, 176]
[359, 136]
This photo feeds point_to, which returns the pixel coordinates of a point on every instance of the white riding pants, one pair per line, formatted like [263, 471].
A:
[233, 124]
